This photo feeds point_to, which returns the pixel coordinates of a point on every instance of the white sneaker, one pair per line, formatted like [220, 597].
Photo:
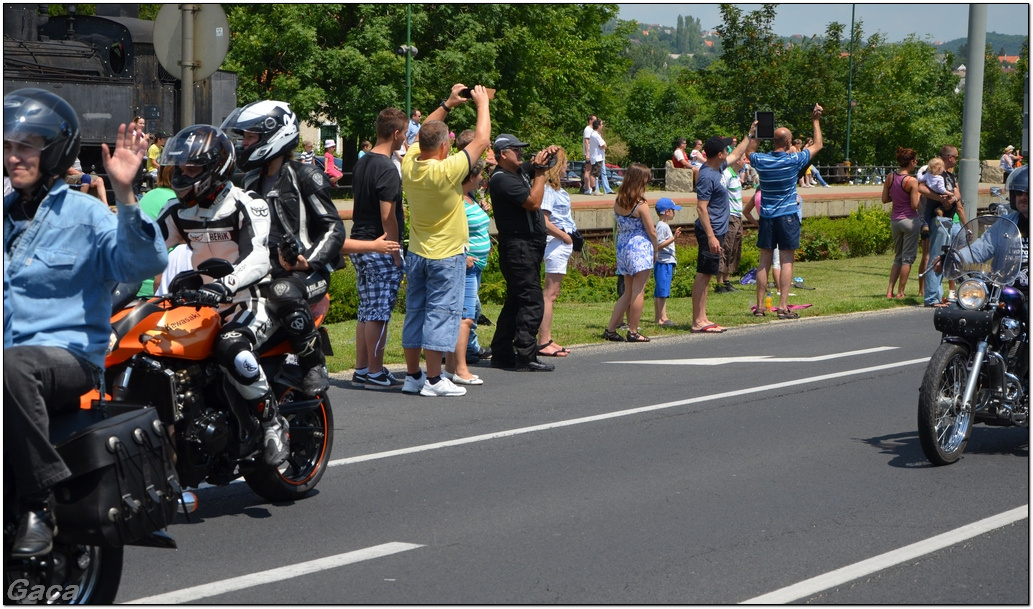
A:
[444, 387]
[413, 386]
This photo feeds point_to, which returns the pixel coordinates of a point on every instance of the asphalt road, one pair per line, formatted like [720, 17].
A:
[715, 469]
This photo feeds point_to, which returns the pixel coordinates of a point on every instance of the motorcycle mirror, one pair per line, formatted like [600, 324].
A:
[187, 280]
[216, 268]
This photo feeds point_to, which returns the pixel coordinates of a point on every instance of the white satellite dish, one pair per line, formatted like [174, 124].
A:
[211, 39]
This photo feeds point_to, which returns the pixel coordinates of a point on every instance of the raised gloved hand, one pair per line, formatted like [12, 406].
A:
[212, 294]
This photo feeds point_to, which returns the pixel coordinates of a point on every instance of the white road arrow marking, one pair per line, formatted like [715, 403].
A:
[748, 359]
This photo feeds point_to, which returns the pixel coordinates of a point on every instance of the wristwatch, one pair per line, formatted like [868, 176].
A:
[445, 106]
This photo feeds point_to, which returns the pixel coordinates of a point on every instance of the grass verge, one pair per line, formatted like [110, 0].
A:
[840, 286]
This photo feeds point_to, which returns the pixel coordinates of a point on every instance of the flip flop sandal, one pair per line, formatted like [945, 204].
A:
[788, 314]
[559, 352]
[711, 329]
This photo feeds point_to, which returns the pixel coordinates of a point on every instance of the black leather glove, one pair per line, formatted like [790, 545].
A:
[212, 294]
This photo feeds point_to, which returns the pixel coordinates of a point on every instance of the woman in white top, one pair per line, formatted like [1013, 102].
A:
[559, 224]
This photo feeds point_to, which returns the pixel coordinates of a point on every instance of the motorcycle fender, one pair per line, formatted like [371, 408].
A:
[956, 321]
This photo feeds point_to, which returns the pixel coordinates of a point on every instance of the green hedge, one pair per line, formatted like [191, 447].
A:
[590, 274]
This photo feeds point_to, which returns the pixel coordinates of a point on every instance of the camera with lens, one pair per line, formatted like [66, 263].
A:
[550, 162]
[290, 249]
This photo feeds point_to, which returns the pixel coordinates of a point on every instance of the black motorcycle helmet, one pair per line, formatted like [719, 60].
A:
[277, 128]
[42, 113]
[1017, 182]
[202, 146]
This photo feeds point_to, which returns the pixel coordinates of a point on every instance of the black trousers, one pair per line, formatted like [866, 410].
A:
[520, 260]
[38, 382]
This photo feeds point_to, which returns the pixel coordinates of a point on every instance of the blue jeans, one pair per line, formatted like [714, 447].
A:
[817, 176]
[433, 302]
[472, 307]
[604, 181]
[938, 238]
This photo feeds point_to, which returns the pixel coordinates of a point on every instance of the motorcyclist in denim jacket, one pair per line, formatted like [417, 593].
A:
[63, 254]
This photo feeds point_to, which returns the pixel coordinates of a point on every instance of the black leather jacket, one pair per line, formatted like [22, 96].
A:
[301, 201]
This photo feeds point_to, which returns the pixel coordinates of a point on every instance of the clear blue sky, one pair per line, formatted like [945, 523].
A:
[940, 22]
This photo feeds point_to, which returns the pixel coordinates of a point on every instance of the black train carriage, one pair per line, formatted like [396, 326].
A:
[106, 68]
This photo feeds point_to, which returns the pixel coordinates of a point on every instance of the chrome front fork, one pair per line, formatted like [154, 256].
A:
[973, 376]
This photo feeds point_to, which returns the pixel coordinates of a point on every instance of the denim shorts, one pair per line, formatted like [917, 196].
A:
[781, 233]
[433, 302]
[471, 298]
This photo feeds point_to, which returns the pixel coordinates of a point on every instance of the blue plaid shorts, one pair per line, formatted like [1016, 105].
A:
[377, 279]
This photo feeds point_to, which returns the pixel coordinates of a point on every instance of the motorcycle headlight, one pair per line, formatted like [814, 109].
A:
[972, 294]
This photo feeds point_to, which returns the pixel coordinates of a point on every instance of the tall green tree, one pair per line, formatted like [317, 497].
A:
[551, 64]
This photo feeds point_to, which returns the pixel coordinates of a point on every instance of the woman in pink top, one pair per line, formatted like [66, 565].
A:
[329, 166]
[902, 190]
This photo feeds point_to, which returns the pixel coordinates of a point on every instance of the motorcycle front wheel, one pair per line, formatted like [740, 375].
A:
[311, 433]
[943, 424]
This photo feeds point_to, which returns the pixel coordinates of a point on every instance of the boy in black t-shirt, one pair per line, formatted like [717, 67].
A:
[377, 211]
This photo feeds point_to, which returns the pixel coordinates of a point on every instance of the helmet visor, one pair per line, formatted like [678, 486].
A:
[30, 122]
[195, 147]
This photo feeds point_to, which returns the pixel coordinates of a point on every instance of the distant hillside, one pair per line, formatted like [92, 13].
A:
[1012, 43]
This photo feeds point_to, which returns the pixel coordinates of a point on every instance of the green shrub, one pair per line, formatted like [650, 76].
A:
[867, 231]
[821, 239]
[344, 296]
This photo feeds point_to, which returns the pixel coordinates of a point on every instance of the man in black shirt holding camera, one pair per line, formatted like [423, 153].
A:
[516, 191]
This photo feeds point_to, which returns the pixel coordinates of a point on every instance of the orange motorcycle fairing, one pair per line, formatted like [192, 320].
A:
[181, 332]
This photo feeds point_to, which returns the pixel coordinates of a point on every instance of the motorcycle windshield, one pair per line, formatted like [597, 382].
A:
[989, 246]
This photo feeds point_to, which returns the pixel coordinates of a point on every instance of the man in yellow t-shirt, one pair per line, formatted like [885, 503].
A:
[435, 265]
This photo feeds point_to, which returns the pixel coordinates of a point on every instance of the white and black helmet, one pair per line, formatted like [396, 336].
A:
[276, 126]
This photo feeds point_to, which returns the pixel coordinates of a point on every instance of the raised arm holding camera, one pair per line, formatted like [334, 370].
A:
[435, 264]
[780, 214]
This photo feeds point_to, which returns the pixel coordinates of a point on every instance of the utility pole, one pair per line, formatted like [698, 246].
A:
[408, 60]
[968, 165]
[850, 85]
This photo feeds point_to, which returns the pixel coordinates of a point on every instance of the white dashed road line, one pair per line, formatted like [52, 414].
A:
[621, 413]
[889, 559]
[274, 575]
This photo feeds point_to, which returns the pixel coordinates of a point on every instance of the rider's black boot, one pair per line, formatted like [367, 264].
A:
[35, 535]
[304, 339]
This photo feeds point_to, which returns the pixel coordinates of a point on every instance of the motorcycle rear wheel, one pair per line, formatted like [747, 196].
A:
[96, 570]
[311, 440]
[944, 425]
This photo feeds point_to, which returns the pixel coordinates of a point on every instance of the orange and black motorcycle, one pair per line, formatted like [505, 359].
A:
[161, 354]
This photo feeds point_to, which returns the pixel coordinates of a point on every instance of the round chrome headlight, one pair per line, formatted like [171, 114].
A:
[972, 294]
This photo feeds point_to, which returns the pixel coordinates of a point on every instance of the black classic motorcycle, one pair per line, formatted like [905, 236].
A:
[123, 491]
[980, 371]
